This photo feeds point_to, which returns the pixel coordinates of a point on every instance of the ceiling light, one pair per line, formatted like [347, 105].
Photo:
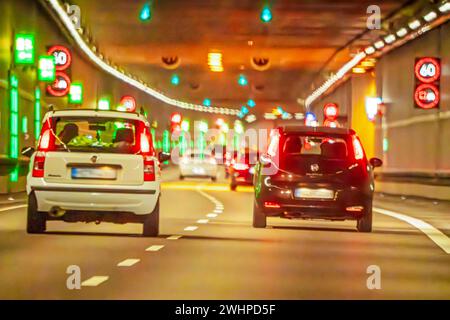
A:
[215, 61]
[430, 16]
[402, 32]
[379, 44]
[445, 7]
[369, 50]
[269, 116]
[414, 24]
[389, 39]
[299, 116]
[358, 70]
[250, 118]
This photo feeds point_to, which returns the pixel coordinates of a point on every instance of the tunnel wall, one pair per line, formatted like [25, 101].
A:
[29, 16]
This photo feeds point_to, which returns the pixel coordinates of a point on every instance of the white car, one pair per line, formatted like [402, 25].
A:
[197, 164]
[94, 166]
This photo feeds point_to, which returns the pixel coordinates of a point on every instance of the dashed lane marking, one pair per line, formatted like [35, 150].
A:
[94, 281]
[128, 262]
[191, 228]
[154, 248]
[438, 237]
[202, 221]
[211, 215]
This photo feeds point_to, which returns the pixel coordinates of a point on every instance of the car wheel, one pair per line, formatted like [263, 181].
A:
[259, 218]
[233, 187]
[181, 177]
[151, 223]
[214, 179]
[364, 223]
[36, 221]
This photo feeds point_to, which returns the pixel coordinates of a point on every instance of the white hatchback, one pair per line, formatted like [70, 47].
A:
[198, 164]
[94, 166]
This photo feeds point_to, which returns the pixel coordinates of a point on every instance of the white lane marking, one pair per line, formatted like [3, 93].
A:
[191, 228]
[128, 262]
[203, 221]
[174, 237]
[211, 215]
[154, 248]
[94, 281]
[218, 211]
[13, 207]
[431, 232]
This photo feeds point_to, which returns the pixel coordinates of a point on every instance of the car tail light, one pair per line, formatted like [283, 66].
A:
[47, 138]
[149, 168]
[144, 143]
[358, 149]
[240, 166]
[38, 165]
[272, 205]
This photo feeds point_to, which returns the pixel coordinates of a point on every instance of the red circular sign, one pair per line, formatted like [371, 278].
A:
[129, 103]
[426, 96]
[427, 70]
[330, 110]
[63, 57]
[61, 86]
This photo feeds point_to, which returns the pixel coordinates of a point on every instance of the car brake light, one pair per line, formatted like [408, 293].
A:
[358, 149]
[273, 205]
[145, 143]
[38, 165]
[44, 142]
[240, 166]
[149, 168]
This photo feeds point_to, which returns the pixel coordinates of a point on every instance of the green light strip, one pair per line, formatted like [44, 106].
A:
[166, 141]
[37, 113]
[14, 117]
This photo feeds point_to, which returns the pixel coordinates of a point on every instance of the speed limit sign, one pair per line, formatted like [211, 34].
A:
[63, 57]
[427, 70]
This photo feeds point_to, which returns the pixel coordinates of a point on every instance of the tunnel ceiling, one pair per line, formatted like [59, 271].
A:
[300, 39]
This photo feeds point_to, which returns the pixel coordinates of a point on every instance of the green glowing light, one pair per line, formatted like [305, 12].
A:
[76, 94]
[14, 117]
[24, 124]
[203, 126]
[103, 104]
[146, 12]
[46, 69]
[24, 49]
[266, 14]
[242, 80]
[251, 103]
[207, 102]
[166, 141]
[37, 113]
[14, 175]
[185, 125]
[175, 80]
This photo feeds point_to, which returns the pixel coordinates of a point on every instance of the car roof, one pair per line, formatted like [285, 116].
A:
[95, 113]
[308, 129]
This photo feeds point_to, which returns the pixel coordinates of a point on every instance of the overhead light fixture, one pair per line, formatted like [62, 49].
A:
[369, 50]
[251, 103]
[286, 116]
[389, 39]
[368, 63]
[358, 70]
[215, 61]
[299, 116]
[402, 32]
[430, 16]
[414, 24]
[266, 14]
[445, 7]
[379, 44]
[146, 12]
[242, 80]
[85, 47]
[175, 80]
[207, 102]
[250, 118]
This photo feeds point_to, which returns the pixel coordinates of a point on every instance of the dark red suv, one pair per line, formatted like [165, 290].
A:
[315, 173]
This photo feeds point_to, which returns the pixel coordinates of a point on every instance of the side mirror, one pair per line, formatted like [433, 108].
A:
[375, 162]
[27, 151]
[163, 157]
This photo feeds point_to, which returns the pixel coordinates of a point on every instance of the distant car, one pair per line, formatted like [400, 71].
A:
[242, 169]
[229, 158]
[315, 173]
[198, 164]
[94, 166]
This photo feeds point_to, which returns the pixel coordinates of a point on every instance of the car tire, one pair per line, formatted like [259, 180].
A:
[233, 187]
[36, 221]
[364, 223]
[181, 177]
[151, 223]
[259, 218]
[214, 179]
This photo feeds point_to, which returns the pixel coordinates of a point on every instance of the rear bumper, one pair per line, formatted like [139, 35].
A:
[200, 171]
[137, 201]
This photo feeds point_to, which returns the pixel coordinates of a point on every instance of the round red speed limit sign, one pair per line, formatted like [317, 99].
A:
[426, 96]
[63, 57]
[427, 70]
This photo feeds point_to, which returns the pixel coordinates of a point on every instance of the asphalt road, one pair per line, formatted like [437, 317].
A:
[224, 257]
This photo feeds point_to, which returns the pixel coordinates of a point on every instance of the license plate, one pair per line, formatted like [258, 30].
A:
[198, 170]
[307, 193]
[105, 173]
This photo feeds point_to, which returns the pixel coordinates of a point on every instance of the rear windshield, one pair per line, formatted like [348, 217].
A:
[95, 134]
[298, 151]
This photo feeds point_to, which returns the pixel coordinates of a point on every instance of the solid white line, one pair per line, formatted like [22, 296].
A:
[191, 228]
[203, 221]
[211, 215]
[154, 248]
[128, 262]
[174, 237]
[431, 232]
[94, 281]
[14, 207]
